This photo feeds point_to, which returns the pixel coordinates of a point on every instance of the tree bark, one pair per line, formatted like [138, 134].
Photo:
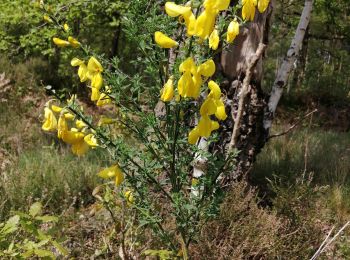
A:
[254, 115]
[287, 65]
[245, 100]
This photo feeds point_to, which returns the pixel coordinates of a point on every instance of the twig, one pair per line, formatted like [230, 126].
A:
[306, 153]
[325, 245]
[293, 126]
[244, 92]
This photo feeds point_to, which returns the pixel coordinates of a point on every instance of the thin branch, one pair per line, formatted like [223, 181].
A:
[244, 92]
[324, 245]
[293, 126]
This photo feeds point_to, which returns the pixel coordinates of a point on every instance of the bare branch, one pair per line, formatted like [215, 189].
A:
[294, 125]
[325, 244]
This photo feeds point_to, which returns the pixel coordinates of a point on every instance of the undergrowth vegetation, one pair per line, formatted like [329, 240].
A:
[287, 217]
[150, 125]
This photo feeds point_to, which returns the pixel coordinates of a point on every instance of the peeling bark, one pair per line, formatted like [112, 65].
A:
[256, 113]
[248, 139]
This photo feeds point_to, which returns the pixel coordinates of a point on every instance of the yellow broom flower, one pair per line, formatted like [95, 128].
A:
[167, 93]
[60, 43]
[207, 69]
[164, 41]
[214, 40]
[262, 5]
[95, 73]
[91, 140]
[112, 172]
[248, 9]
[50, 123]
[232, 31]
[74, 42]
[80, 148]
[82, 71]
[66, 27]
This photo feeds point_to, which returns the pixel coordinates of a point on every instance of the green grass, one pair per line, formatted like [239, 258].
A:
[53, 176]
[325, 154]
[36, 166]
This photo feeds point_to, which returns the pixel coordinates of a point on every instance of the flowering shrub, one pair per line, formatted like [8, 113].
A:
[167, 104]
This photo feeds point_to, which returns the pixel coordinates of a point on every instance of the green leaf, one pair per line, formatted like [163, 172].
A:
[60, 248]
[28, 253]
[44, 253]
[35, 209]
[47, 218]
[9, 249]
[11, 225]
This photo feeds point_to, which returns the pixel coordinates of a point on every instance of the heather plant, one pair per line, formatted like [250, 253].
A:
[159, 113]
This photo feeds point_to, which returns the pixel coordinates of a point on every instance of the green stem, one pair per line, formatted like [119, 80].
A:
[110, 143]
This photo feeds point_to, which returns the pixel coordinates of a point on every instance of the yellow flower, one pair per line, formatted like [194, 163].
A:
[111, 172]
[106, 121]
[164, 41]
[167, 93]
[97, 81]
[190, 82]
[95, 94]
[214, 95]
[56, 109]
[208, 107]
[185, 84]
[60, 43]
[220, 110]
[104, 98]
[80, 124]
[69, 116]
[207, 69]
[205, 24]
[190, 21]
[66, 27]
[232, 31]
[215, 90]
[174, 10]
[193, 136]
[197, 83]
[74, 42]
[248, 9]
[50, 123]
[206, 20]
[82, 71]
[94, 73]
[217, 5]
[214, 40]
[91, 140]
[188, 65]
[262, 5]
[62, 126]
[79, 148]
[47, 19]
[72, 136]
[128, 195]
[206, 126]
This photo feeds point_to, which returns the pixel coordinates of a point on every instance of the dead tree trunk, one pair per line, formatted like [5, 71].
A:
[258, 108]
